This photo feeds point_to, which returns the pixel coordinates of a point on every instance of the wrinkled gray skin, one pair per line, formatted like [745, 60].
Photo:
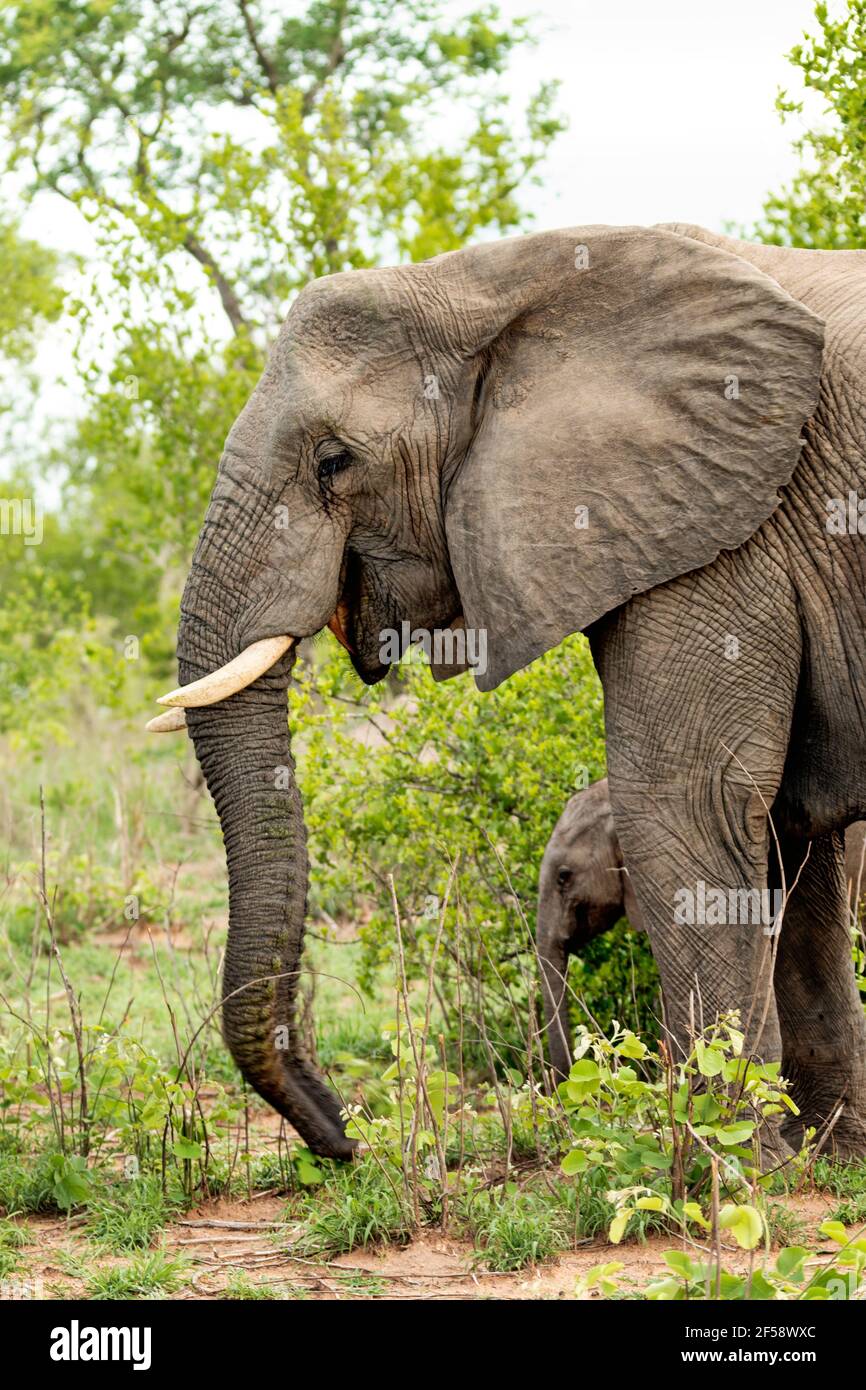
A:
[626, 431]
[584, 889]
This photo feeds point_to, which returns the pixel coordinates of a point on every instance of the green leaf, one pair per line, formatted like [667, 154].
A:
[710, 1060]
[71, 1182]
[706, 1108]
[664, 1291]
[737, 1039]
[679, 1261]
[835, 1231]
[186, 1148]
[738, 1133]
[632, 1046]
[602, 1273]
[574, 1162]
[762, 1288]
[745, 1224]
[308, 1174]
[650, 1158]
[693, 1212]
[730, 1285]
[584, 1079]
[618, 1225]
[790, 1261]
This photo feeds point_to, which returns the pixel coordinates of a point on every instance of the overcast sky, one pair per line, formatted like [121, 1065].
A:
[671, 117]
[671, 107]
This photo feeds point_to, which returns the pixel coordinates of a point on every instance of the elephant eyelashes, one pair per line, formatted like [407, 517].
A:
[332, 465]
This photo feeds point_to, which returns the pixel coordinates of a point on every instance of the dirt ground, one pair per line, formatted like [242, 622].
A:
[223, 1239]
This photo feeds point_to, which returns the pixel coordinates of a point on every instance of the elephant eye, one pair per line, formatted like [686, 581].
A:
[563, 877]
[331, 465]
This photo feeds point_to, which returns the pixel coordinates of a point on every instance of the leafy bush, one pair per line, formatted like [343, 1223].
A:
[793, 1275]
[410, 779]
[670, 1129]
[90, 896]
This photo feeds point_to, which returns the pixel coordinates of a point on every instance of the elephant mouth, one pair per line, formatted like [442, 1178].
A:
[352, 626]
[340, 625]
[589, 922]
[580, 932]
[343, 627]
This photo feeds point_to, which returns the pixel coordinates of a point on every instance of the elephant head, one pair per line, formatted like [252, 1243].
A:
[583, 889]
[513, 439]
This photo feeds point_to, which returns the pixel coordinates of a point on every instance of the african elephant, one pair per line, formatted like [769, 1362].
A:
[654, 435]
[584, 889]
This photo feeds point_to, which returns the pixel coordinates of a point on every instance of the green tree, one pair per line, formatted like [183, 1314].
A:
[824, 205]
[223, 155]
[30, 295]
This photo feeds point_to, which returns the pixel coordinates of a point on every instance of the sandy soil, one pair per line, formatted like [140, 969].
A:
[223, 1239]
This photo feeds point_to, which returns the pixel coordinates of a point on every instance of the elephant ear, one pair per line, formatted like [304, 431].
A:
[638, 403]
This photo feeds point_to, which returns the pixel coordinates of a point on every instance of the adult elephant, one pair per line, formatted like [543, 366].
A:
[632, 432]
[584, 889]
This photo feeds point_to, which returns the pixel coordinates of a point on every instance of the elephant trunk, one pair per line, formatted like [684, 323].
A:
[243, 747]
[553, 962]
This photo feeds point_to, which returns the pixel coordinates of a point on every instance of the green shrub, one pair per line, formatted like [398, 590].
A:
[410, 778]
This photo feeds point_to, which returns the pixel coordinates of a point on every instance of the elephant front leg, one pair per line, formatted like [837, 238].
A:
[820, 1012]
[702, 891]
[698, 701]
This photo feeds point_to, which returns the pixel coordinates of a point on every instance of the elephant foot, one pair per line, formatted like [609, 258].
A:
[844, 1141]
[830, 1090]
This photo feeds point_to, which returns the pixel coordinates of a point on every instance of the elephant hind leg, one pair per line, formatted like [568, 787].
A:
[821, 1015]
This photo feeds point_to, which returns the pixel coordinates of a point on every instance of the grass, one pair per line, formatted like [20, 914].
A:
[126, 1216]
[358, 1206]
[241, 1287]
[513, 1228]
[26, 1180]
[12, 1238]
[358, 1285]
[149, 1275]
[785, 1226]
[847, 1181]
[841, 1179]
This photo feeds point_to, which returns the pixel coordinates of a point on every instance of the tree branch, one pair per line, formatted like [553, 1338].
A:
[268, 70]
[228, 298]
[336, 56]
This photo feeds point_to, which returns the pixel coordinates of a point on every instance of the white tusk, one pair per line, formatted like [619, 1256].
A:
[167, 723]
[236, 675]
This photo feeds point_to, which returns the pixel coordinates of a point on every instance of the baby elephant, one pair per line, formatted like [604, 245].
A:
[584, 889]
